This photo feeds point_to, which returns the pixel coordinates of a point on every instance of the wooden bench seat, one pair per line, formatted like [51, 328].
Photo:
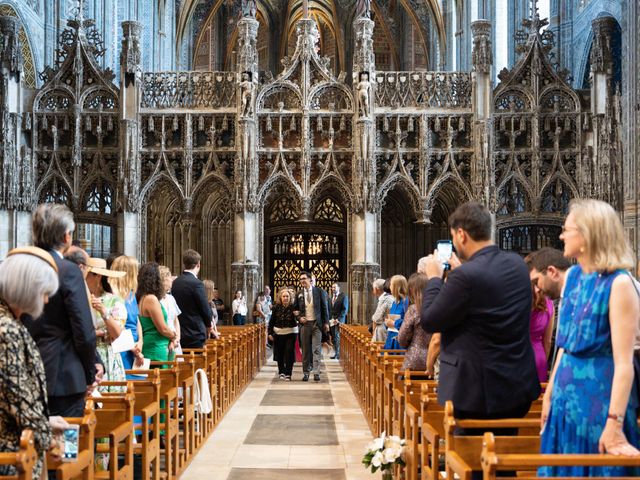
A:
[83, 467]
[517, 456]
[23, 460]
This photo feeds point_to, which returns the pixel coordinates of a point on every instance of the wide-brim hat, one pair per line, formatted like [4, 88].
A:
[99, 267]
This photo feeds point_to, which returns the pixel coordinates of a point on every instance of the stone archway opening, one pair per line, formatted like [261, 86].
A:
[293, 244]
[403, 241]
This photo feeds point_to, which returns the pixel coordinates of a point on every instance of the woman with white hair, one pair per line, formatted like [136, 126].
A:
[28, 277]
[385, 301]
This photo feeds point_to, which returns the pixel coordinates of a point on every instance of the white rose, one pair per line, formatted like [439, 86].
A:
[377, 444]
[376, 461]
[390, 455]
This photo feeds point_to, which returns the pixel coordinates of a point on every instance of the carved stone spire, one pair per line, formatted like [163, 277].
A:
[601, 59]
[481, 56]
[131, 55]
[10, 54]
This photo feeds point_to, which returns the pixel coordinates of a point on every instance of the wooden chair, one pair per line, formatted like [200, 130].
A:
[23, 460]
[186, 411]
[83, 467]
[507, 455]
[114, 421]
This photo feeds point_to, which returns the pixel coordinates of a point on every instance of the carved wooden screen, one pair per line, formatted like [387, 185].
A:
[525, 239]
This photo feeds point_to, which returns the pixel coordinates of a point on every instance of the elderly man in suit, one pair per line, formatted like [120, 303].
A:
[313, 314]
[487, 365]
[64, 333]
[196, 314]
[339, 309]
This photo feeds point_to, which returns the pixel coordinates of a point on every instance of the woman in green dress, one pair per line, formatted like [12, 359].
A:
[159, 339]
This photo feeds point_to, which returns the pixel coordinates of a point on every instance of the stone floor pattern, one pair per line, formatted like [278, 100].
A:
[296, 430]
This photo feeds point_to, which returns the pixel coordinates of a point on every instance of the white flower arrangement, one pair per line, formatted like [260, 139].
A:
[384, 452]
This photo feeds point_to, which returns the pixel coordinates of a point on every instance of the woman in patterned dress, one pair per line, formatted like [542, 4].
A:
[27, 278]
[589, 405]
[111, 317]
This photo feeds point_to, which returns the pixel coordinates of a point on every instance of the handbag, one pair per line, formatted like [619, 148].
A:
[634, 397]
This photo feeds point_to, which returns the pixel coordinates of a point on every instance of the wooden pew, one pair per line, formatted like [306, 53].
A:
[83, 467]
[23, 460]
[463, 452]
[114, 421]
[409, 413]
[169, 415]
[504, 455]
[146, 392]
[431, 432]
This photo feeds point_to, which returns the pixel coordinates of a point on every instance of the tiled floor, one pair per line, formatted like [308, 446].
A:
[281, 430]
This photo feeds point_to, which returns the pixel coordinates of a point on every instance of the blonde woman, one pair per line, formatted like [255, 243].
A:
[587, 406]
[283, 331]
[399, 288]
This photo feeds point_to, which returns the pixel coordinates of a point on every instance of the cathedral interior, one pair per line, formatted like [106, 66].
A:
[334, 136]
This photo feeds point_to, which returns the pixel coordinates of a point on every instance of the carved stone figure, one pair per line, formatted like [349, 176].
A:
[363, 8]
[249, 8]
[247, 90]
[481, 55]
[364, 95]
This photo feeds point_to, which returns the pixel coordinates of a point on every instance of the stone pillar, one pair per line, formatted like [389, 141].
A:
[601, 64]
[129, 221]
[364, 219]
[482, 98]
[606, 115]
[15, 163]
[631, 119]
[247, 268]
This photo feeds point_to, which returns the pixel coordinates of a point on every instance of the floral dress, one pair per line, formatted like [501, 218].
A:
[113, 366]
[583, 379]
[23, 390]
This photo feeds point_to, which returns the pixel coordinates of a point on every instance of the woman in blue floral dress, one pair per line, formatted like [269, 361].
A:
[589, 406]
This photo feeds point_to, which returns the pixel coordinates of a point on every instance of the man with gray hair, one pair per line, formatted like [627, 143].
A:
[64, 333]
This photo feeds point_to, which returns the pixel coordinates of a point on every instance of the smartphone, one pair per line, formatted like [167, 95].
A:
[70, 440]
[445, 249]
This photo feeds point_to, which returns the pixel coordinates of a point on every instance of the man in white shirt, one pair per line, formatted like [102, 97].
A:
[312, 310]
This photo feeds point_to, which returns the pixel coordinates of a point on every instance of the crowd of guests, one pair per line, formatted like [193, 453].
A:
[485, 330]
[488, 329]
[61, 312]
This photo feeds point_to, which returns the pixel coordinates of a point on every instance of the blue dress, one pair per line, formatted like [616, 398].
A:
[582, 384]
[397, 308]
[131, 324]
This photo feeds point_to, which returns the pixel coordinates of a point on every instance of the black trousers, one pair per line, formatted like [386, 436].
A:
[335, 334]
[518, 412]
[284, 352]
[67, 406]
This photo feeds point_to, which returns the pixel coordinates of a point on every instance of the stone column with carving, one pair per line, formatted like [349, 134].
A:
[129, 226]
[365, 266]
[482, 62]
[606, 115]
[15, 160]
[246, 269]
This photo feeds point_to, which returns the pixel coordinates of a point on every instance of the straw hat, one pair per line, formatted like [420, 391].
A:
[36, 252]
[99, 267]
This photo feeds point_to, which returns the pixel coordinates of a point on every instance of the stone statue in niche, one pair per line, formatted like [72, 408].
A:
[249, 8]
[364, 94]
[364, 142]
[363, 9]
[247, 90]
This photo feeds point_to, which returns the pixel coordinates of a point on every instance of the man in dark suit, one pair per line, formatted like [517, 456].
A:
[487, 365]
[188, 290]
[339, 309]
[313, 314]
[65, 334]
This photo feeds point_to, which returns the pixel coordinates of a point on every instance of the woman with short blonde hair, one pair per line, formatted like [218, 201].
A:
[587, 407]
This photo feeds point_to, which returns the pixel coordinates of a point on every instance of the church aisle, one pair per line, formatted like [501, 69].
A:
[288, 430]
